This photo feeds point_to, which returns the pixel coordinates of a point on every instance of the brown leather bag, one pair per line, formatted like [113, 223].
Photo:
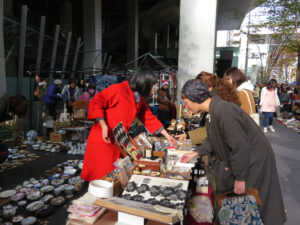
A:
[250, 191]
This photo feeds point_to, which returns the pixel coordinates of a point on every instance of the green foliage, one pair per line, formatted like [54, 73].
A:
[282, 19]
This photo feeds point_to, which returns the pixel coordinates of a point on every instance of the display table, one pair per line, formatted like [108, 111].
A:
[135, 210]
[110, 218]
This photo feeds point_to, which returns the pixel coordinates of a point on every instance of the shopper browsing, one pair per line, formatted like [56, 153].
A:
[118, 103]
[268, 102]
[244, 157]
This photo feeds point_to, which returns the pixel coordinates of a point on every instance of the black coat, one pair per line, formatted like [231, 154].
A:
[240, 145]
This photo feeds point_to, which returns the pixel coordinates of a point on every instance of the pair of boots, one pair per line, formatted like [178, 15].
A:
[271, 129]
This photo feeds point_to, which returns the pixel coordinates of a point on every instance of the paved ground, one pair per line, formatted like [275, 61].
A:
[286, 145]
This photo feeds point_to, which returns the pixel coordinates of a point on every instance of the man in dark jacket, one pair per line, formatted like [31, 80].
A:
[164, 101]
[51, 98]
[244, 156]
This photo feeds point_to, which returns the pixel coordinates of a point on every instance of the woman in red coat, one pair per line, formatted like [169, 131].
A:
[118, 103]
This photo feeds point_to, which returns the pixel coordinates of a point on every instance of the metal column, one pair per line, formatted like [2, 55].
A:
[53, 56]
[64, 65]
[78, 45]
[132, 30]
[108, 63]
[2, 54]
[22, 48]
[40, 45]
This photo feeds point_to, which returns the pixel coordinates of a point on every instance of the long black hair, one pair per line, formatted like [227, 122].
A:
[271, 84]
[142, 81]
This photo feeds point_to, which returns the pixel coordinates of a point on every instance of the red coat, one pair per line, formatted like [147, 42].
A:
[115, 104]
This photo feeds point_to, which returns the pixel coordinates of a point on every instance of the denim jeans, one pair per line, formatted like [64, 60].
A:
[268, 118]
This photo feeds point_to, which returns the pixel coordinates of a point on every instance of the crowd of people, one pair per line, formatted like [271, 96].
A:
[69, 93]
[243, 157]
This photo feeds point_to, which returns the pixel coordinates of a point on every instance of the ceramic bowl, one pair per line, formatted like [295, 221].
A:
[58, 190]
[47, 198]
[57, 182]
[57, 201]
[9, 211]
[29, 220]
[24, 202]
[70, 171]
[34, 195]
[17, 197]
[17, 219]
[69, 189]
[32, 207]
[47, 188]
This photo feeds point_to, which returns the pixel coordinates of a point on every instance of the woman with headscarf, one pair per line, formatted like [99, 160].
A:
[244, 156]
[217, 86]
[118, 103]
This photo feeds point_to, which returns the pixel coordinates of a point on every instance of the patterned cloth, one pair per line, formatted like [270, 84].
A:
[195, 90]
[240, 210]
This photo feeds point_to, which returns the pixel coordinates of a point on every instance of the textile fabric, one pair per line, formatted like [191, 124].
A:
[116, 104]
[240, 210]
[195, 90]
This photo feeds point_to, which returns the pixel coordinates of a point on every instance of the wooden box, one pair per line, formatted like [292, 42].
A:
[56, 137]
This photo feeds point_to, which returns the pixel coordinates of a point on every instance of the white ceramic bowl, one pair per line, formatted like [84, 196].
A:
[70, 171]
[101, 188]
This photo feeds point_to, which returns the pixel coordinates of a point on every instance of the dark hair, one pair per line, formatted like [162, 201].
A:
[91, 86]
[209, 79]
[142, 81]
[271, 84]
[18, 105]
[237, 76]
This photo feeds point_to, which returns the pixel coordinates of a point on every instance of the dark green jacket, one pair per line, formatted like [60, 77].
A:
[240, 145]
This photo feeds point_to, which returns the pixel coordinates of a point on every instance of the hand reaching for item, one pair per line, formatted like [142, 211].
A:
[188, 157]
[180, 137]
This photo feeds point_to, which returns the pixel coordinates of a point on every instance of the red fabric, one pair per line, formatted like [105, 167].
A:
[115, 104]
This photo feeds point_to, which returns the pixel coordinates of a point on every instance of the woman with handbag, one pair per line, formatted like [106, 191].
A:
[268, 101]
[244, 157]
[244, 87]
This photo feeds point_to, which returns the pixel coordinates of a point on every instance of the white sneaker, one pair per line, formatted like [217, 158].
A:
[271, 128]
[265, 130]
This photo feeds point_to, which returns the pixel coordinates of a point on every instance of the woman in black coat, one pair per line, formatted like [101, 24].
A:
[244, 156]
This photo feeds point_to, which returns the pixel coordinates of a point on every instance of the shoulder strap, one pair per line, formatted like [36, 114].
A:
[248, 101]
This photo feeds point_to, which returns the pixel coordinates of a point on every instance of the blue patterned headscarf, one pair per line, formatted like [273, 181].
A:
[195, 90]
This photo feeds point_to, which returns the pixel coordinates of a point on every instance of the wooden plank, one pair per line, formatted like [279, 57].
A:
[136, 208]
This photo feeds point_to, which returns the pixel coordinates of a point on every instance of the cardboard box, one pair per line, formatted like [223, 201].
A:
[56, 137]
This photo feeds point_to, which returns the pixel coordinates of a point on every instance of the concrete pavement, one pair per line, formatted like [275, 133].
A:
[286, 146]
